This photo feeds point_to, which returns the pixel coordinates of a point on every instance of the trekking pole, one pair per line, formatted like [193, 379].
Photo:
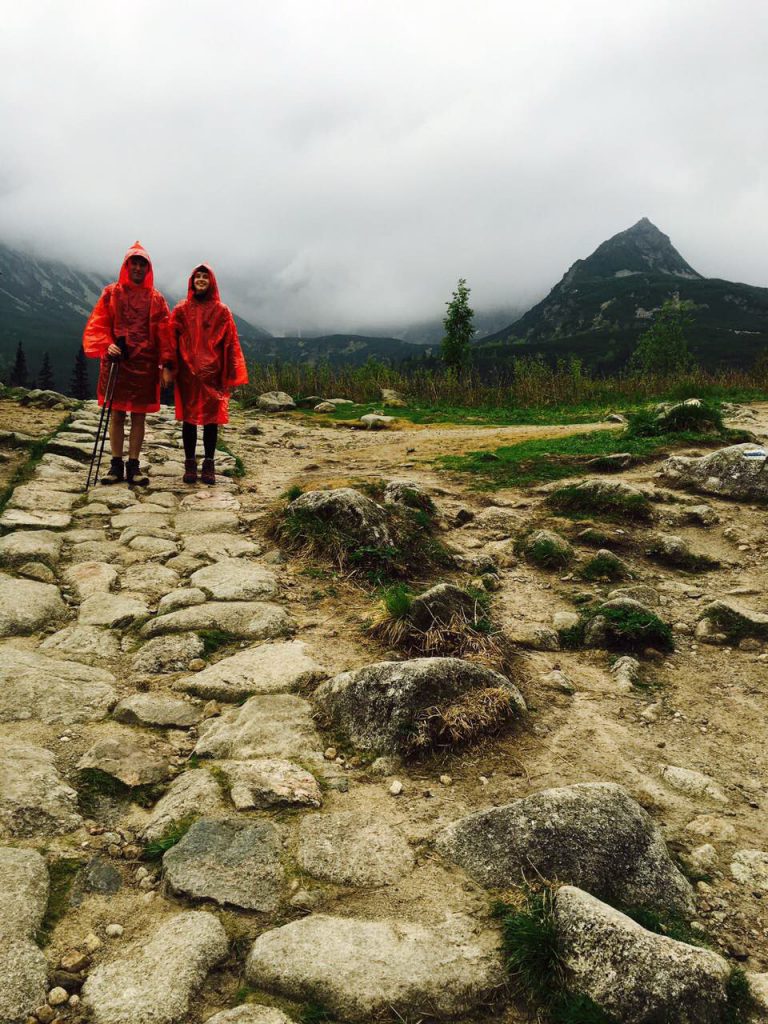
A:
[103, 428]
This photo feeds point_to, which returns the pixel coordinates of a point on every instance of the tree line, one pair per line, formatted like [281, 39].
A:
[21, 377]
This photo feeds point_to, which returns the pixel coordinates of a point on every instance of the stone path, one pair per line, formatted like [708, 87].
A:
[154, 692]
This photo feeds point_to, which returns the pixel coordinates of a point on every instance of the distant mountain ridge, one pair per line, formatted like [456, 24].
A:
[603, 303]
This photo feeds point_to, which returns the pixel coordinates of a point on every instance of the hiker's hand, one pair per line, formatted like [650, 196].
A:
[167, 377]
[114, 351]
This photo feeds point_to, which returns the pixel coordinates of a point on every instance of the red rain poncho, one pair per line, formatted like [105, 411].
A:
[207, 357]
[139, 314]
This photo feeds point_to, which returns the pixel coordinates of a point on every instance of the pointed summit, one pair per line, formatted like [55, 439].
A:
[641, 249]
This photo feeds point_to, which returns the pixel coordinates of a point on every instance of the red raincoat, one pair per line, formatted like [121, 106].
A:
[139, 314]
[206, 355]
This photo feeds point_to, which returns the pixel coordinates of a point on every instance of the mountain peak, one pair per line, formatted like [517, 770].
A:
[641, 249]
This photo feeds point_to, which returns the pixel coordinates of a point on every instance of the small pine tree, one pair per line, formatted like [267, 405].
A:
[19, 377]
[663, 348]
[78, 385]
[45, 376]
[459, 329]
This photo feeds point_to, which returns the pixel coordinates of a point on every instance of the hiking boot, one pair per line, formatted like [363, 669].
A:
[208, 472]
[115, 474]
[133, 474]
[190, 471]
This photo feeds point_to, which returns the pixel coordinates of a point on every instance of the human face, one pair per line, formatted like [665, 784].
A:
[137, 269]
[201, 281]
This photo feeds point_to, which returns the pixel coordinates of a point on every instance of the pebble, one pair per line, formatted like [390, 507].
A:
[45, 1014]
[91, 942]
[330, 754]
[74, 1000]
[141, 873]
[113, 931]
[74, 961]
[396, 788]
[196, 665]
[58, 996]
[446, 780]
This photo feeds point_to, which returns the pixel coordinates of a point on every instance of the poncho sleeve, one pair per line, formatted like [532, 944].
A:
[98, 334]
[235, 369]
[169, 352]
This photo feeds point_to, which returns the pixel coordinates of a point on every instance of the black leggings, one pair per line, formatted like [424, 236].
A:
[189, 437]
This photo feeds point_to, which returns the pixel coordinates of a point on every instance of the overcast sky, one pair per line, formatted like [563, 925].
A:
[343, 163]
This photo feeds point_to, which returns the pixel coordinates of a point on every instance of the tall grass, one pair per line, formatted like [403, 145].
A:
[528, 382]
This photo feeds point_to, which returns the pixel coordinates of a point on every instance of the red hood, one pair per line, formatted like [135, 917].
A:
[137, 249]
[213, 290]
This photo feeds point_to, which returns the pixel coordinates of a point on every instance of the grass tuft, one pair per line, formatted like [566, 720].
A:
[605, 566]
[174, 833]
[476, 714]
[615, 504]
[293, 492]
[214, 639]
[684, 417]
[626, 629]
[742, 1005]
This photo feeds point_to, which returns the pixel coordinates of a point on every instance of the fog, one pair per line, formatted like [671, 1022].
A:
[346, 162]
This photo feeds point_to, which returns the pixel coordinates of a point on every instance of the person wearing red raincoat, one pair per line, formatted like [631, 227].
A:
[129, 325]
[206, 362]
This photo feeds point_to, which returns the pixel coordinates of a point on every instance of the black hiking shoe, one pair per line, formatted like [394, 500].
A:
[208, 472]
[133, 474]
[115, 474]
[190, 471]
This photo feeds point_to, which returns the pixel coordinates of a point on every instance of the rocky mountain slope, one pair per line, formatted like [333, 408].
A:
[605, 302]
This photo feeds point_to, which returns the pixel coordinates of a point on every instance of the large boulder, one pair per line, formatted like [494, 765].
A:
[275, 401]
[737, 471]
[345, 511]
[593, 835]
[154, 980]
[734, 620]
[378, 706]
[361, 970]
[632, 974]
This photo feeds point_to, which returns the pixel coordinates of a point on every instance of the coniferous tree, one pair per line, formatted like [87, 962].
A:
[19, 377]
[78, 385]
[458, 329]
[45, 376]
[663, 349]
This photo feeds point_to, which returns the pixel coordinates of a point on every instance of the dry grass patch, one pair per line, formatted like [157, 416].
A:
[475, 715]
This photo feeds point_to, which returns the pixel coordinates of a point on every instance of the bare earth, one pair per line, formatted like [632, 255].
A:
[703, 707]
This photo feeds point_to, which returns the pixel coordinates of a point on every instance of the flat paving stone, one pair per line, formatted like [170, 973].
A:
[214, 521]
[171, 653]
[269, 782]
[27, 606]
[39, 497]
[115, 611]
[23, 892]
[155, 979]
[229, 861]
[279, 725]
[31, 546]
[215, 546]
[361, 970]
[156, 709]
[248, 620]
[17, 518]
[348, 849]
[152, 581]
[92, 645]
[141, 520]
[34, 800]
[129, 757]
[268, 668]
[50, 690]
[89, 578]
[235, 579]
[193, 794]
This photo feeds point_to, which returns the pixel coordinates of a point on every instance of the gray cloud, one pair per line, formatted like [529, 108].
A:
[345, 162]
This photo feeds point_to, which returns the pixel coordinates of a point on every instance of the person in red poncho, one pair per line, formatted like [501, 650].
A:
[206, 362]
[130, 324]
